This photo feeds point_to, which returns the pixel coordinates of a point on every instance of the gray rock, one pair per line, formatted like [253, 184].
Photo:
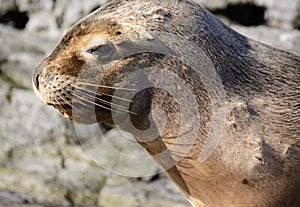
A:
[42, 21]
[20, 52]
[43, 158]
[71, 11]
[280, 38]
[32, 122]
[281, 13]
[34, 5]
[139, 193]
[50, 15]
[6, 6]
[15, 200]
[278, 13]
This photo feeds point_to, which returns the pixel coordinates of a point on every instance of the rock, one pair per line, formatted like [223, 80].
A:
[20, 55]
[71, 11]
[35, 5]
[280, 38]
[15, 200]
[42, 21]
[277, 14]
[281, 13]
[44, 160]
[161, 193]
[47, 15]
[116, 153]
[6, 6]
[32, 123]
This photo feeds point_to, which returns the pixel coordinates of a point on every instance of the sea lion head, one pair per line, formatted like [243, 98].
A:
[89, 63]
[93, 75]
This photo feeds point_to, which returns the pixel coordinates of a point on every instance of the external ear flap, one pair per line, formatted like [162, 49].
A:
[144, 35]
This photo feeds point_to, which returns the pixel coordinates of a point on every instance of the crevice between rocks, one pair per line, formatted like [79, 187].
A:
[246, 14]
[296, 22]
[15, 18]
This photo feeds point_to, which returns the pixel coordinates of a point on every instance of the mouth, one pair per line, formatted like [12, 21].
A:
[81, 109]
[64, 109]
[55, 105]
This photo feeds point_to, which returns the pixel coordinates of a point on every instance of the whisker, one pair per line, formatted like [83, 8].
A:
[62, 105]
[99, 105]
[99, 99]
[82, 103]
[90, 102]
[121, 108]
[106, 94]
[114, 106]
[111, 87]
[67, 102]
[58, 103]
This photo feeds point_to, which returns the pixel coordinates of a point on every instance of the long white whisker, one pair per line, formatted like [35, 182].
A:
[67, 102]
[99, 105]
[110, 87]
[106, 94]
[99, 99]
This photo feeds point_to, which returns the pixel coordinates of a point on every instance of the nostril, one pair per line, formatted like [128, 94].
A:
[36, 81]
[36, 75]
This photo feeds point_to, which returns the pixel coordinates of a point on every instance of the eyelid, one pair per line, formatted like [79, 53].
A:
[102, 50]
[94, 49]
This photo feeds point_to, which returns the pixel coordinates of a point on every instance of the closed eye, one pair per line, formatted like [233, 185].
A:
[101, 50]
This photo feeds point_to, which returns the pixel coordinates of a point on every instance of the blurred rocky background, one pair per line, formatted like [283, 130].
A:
[42, 161]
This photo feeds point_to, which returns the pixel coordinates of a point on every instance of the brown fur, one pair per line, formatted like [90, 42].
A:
[256, 161]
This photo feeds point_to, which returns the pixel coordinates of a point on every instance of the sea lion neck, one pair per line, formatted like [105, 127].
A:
[164, 97]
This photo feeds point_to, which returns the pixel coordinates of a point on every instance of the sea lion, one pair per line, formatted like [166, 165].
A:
[218, 111]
